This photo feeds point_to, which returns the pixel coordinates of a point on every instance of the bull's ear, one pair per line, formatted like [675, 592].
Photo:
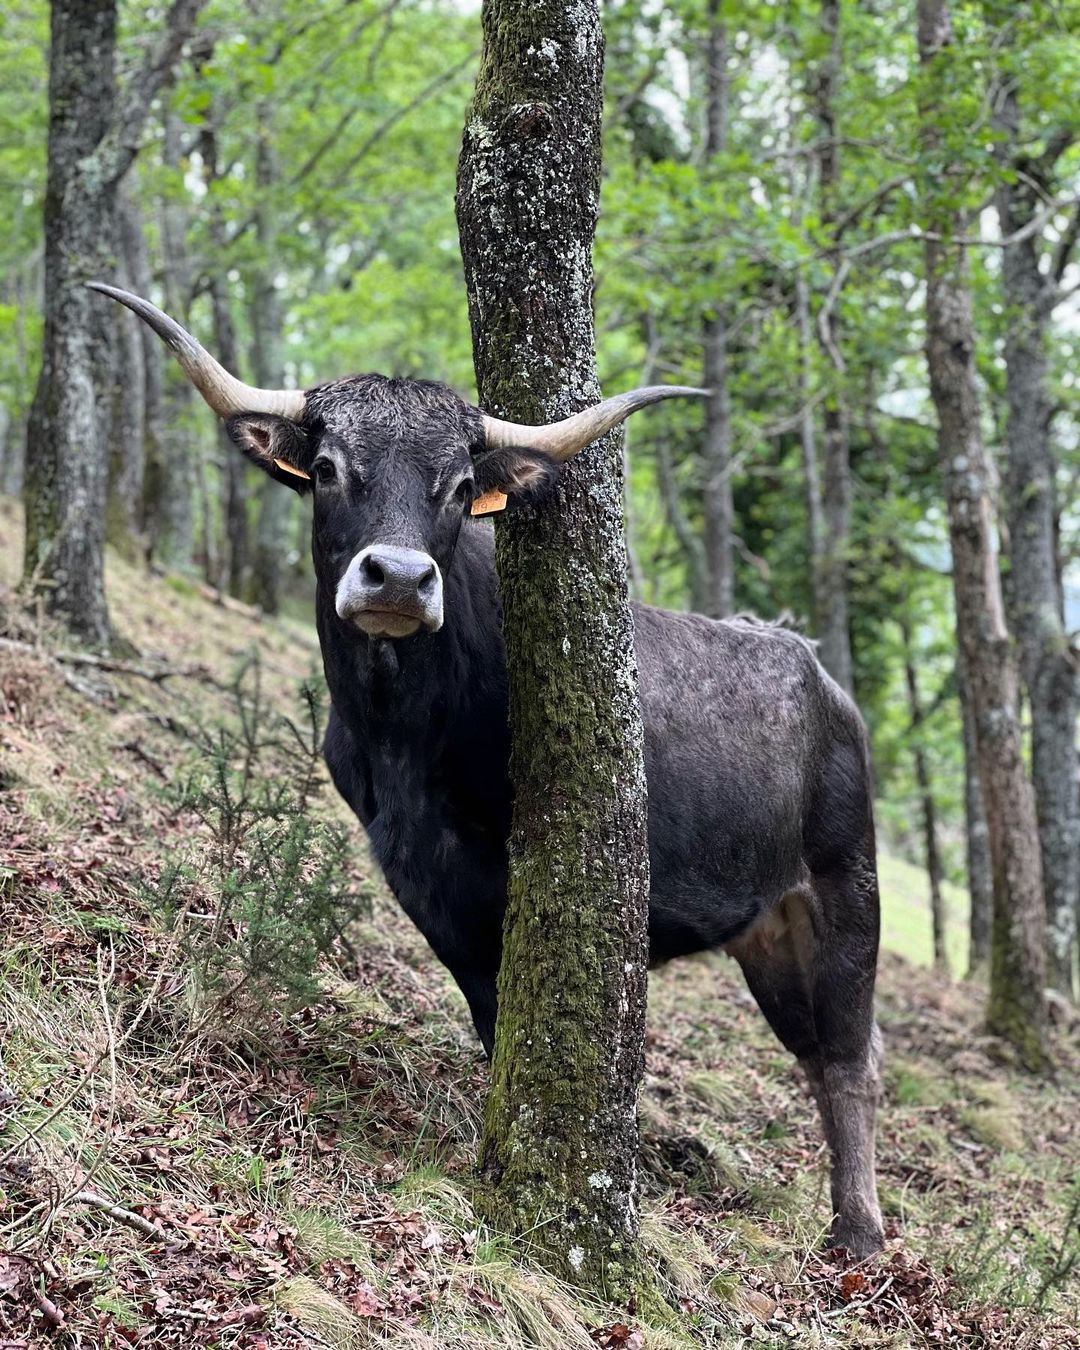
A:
[527, 477]
[279, 447]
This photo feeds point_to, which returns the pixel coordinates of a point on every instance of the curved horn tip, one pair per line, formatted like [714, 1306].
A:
[113, 292]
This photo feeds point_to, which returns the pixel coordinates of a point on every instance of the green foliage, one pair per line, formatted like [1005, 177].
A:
[270, 894]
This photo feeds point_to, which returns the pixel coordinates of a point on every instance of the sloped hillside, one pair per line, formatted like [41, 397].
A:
[192, 1155]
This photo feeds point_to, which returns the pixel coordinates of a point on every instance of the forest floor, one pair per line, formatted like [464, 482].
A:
[183, 1168]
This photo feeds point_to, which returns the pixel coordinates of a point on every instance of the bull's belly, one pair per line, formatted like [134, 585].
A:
[708, 887]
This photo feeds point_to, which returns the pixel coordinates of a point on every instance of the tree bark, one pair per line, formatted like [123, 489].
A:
[170, 486]
[1016, 1008]
[127, 440]
[926, 801]
[94, 133]
[716, 450]
[233, 557]
[980, 872]
[272, 528]
[560, 1140]
[831, 601]
[1047, 660]
[66, 443]
[815, 522]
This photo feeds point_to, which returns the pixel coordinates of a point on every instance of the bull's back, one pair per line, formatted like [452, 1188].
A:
[746, 738]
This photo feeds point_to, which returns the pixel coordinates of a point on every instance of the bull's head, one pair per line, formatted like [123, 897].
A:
[395, 466]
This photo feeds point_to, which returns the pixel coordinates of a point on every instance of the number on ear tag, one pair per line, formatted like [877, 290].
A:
[489, 503]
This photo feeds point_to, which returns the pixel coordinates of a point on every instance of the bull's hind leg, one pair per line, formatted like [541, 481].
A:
[850, 1047]
[817, 997]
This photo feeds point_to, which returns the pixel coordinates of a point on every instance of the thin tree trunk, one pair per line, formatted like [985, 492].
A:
[692, 548]
[560, 1139]
[173, 446]
[1047, 661]
[138, 269]
[235, 552]
[926, 800]
[716, 450]
[1016, 1008]
[24, 283]
[270, 549]
[94, 137]
[815, 519]
[832, 576]
[980, 871]
[127, 450]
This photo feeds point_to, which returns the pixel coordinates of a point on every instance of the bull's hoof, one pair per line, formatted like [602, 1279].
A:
[861, 1236]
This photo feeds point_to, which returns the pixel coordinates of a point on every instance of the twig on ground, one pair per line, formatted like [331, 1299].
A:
[857, 1305]
[135, 748]
[49, 1311]
[145, 1226]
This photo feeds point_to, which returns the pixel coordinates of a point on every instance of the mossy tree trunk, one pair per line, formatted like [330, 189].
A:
[1047, 660]
[94, 133]
[1016, 1008]
[560, 1143]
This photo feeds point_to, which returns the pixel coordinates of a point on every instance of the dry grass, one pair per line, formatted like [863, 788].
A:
[313, 1187]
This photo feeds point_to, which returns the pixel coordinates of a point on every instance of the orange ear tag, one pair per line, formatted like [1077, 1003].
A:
[291, 468]
[490, 503]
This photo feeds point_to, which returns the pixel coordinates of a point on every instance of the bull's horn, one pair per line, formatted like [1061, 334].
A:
[562, 440]
[224, 392]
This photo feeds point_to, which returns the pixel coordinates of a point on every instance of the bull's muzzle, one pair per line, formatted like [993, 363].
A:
[391, 592]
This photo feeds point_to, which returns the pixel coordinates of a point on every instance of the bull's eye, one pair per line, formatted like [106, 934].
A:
[324, 471]
[463, 491]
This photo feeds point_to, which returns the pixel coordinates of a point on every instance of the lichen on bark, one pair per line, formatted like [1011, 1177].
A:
[559, 1155]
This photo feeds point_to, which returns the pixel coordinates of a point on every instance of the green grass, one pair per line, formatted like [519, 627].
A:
[905, 914]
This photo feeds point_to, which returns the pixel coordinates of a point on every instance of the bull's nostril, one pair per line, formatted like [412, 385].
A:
[373, 572]
[426, 581]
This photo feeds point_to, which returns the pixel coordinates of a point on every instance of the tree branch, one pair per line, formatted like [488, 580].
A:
[121, 144]
[876, 198]
[1062, 254]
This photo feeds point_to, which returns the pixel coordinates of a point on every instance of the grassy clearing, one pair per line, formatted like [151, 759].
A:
[905, 915]
[302, 1177]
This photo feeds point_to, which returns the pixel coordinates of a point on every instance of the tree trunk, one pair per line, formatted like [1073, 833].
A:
[716, 451]
[1016, 1008]
[93, 139]
[980, 872]
[815, 525]
[271, 533]
[831, 601]
[170, 486]
[1046, 658]
[693, 550]
[153, 431]
[127, 449]
[235, 552]
[560, 1140]
[66, 442]
[926, 800]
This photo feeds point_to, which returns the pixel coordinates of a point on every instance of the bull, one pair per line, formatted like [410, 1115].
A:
[761, 834]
